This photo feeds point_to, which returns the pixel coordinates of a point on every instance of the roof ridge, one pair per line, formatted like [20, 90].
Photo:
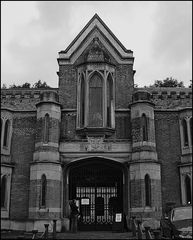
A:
[96, 16]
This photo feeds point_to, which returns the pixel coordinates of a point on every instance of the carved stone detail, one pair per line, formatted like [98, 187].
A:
[97, 144]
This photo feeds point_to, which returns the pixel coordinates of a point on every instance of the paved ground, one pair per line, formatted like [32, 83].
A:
[96, 235]
[68, 235]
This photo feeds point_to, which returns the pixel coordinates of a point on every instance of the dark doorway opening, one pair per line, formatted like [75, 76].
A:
[97, 186]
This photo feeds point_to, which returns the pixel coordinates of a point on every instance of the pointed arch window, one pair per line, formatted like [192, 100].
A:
[6, 133]
[191, 130]
[43, 190]
[144, 128]
[96, 101]
[185, 132]
[109, 100]
[82, 102]
[3, 191]
[188, 189]
[46, 128]
[1, 126]
[147, 190]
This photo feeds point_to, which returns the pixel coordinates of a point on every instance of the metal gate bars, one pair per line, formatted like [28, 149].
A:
[98, 191]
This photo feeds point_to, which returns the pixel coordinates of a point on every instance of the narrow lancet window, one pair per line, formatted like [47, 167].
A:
[6, 133]
[46, 128]
[185, 132]
[191, 130]
[1, 126]
[82, 102]
[147, 190]
[144, 128]
[109, 100]
[43, 190]
[188, 190]
[3, 191]
[96, 101]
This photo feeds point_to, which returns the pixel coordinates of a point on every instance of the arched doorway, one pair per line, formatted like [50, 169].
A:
[97, 186]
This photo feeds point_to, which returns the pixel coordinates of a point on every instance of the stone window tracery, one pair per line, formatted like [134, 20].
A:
[6, 131]
[95, 100]
[186, 133]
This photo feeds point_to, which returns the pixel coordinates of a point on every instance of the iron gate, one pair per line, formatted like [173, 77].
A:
[98, 190]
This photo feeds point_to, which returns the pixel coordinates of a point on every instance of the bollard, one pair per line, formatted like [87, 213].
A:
[34, 232]
[54, 229]
[139, 231]
[156, 234]
[147, 233]
[46, 231]
[133, 226]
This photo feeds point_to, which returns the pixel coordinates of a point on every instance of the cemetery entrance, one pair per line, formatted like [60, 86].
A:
[97, 187]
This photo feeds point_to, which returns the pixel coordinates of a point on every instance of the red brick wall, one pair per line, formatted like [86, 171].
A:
[123, 85]
[68, 126]
[122, 126]
[22, 154]
[67, 86]
[169, 150]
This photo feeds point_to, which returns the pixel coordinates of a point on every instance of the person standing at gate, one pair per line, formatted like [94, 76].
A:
[74, 216]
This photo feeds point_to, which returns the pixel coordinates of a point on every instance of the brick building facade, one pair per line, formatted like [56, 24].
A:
[96, 138]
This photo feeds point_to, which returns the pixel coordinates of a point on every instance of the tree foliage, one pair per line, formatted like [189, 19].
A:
[38, 84]
[168, 82]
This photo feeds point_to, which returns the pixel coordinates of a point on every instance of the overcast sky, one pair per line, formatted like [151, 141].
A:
[33, 32]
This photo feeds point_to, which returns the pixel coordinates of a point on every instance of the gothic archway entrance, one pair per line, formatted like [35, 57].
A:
[97, 186]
